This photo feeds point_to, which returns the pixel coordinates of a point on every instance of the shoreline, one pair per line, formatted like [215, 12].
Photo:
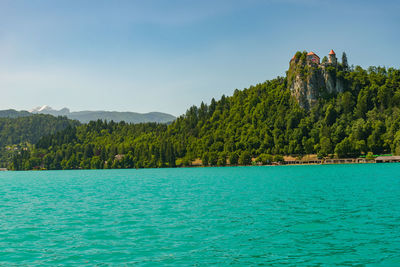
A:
[200, 166]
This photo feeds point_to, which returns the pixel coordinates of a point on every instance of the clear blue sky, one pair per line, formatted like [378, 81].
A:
[167, 55]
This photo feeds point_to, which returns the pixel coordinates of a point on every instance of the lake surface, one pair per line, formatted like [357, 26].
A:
[298, 215]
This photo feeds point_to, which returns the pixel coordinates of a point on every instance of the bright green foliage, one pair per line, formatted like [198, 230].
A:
[265, 159]
[257, 122]
[370, 155]
[346, 149]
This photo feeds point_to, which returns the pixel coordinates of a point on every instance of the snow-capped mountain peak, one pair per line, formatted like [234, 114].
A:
[41, 109]
[87, 116]
[49, 110]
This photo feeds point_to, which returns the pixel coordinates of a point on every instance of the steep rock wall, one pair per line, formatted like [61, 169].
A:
[310, 81]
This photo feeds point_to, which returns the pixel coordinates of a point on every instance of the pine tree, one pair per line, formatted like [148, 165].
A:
[344, 61]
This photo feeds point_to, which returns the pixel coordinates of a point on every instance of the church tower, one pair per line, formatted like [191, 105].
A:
[332, 57]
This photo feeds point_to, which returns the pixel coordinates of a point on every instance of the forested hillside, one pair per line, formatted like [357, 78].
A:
[17, 133]
[263, 122]
[12, 113]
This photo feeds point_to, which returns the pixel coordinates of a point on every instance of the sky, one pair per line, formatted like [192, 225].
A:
[168, 55]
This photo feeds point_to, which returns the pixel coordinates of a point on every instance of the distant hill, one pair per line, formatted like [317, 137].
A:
[129, 117]
[86, 116]
[12, 113]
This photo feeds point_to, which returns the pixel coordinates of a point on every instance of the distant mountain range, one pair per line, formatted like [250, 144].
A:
[86, 116]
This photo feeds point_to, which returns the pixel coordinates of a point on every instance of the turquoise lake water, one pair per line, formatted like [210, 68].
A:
[296, 215]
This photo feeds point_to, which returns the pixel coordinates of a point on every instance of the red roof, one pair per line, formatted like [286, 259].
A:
[311, 53]
[332, 52]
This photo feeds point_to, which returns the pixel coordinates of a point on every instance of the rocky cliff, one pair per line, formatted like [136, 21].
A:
[309, 81]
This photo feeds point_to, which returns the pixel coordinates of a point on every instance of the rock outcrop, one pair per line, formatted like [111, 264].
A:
[309, 80]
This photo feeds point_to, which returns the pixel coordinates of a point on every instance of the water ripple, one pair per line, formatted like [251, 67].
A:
[298, 215]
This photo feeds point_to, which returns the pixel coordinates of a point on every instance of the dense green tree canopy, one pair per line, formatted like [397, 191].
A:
[256, 122]
[18, 132]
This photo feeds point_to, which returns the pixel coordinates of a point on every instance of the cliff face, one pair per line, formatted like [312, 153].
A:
[309, 81]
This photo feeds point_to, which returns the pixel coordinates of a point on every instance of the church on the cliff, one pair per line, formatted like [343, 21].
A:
[313, 58]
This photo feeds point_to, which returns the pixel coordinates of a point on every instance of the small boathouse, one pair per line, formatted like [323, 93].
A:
[387, 159]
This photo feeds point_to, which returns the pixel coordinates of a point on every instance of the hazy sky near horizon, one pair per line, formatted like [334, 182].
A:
[168, 55]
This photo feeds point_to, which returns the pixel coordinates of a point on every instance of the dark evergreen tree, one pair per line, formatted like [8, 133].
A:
[345, 64]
